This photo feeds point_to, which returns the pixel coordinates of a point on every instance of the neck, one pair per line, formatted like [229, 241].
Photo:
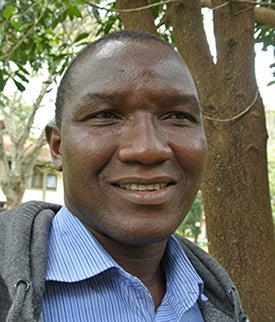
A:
[142, 261]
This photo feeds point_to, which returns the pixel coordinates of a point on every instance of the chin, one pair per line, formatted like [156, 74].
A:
[144, 236]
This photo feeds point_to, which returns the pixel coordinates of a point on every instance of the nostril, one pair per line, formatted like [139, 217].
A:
[144, 141]
[145, 153]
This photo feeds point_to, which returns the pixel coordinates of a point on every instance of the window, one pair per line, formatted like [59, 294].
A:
[50, 180]
[37, 180]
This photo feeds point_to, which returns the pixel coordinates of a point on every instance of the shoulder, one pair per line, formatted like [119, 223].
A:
[203, 262]
[25, 216]
[223, 298]
[29, 209]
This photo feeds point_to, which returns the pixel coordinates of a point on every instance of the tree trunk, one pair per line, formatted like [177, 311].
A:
[14, 192]
[246, 224]
[136, 20]
[235, 186]
[265, 16]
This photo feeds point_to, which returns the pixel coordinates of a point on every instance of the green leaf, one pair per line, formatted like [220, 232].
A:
[96, 14]
[9, 10]
[74, 11]
[49, 31]
[23, 69]
[81, 36]
[16, 24]
[108, 26]
[2, 80]
[19, 86]
[22, 77]
[232, 6]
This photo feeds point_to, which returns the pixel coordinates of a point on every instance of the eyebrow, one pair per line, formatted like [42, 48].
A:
[98, 97]
[171, 98]
[183, 98]
[92, 98]
[189, 101]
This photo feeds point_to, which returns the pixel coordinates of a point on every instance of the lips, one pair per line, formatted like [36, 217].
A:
[144, 190]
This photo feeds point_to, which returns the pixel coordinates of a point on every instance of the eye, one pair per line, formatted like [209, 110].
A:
[179, 117]
[182, 116]
[104, 115]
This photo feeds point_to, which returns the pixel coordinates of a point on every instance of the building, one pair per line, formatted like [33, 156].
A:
[45, 184]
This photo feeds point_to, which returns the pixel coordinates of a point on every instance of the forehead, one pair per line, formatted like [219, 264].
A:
[119, 65]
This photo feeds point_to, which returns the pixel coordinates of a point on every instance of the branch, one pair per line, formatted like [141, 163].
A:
[26, 34]
[4, 164]
[137, 19]
[22, 14]
[265, 16]
[255, 3]
[31, 156]
[131, 10]
[35, 107]
[9, 114]
[205, 3]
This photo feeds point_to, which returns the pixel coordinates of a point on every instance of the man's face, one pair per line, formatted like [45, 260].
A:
[131, 147]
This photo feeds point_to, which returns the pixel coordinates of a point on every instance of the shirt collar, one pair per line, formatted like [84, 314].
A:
[74, 254]
[182, 278]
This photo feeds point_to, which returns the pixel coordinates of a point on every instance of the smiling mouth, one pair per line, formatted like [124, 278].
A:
[143, 187]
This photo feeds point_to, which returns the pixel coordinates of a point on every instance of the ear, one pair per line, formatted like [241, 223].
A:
[53, 137]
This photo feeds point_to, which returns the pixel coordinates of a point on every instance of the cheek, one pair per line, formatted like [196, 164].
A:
[191, 153]
[86, 152]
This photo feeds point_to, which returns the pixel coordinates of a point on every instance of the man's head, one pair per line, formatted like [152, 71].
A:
[116, 36]
[129, 141]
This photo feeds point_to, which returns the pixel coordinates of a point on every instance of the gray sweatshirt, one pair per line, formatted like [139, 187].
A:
[23, 261]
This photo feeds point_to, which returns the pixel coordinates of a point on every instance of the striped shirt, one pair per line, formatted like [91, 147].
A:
[85, 284]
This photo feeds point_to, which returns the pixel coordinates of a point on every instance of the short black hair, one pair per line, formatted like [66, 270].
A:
[89, 49]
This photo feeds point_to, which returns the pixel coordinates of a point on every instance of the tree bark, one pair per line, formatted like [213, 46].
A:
[20, 155]
[265, 16]
[136, 20]
[14, 191]
[235, 185]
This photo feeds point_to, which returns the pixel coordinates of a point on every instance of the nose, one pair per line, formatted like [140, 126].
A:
[143, 142]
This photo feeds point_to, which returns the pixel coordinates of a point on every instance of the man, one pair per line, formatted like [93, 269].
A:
[129, 140]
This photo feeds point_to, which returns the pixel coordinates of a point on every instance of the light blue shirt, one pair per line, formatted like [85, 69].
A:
[85, 284]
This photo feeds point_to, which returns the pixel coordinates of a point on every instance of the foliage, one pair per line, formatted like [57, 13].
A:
[265, 35]
[31, 35]
[19, 152]
[34, 33]
[108, 20]
[191, 226]
[36, 37]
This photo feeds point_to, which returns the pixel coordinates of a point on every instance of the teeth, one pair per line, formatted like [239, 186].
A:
[143, 187]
